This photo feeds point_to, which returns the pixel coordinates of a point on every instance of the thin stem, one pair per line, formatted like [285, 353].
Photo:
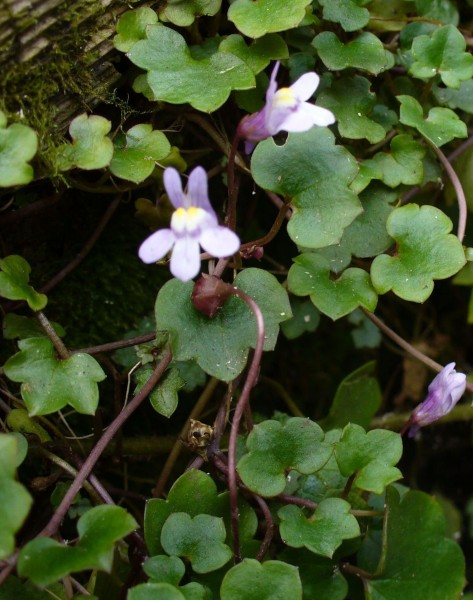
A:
[176, 450]
[86, 249]
[61, 349]
[457, 186]
[269, 533]
[276, 226]
[112, 346]
[239, 410]
[103, 442]
[232, 186]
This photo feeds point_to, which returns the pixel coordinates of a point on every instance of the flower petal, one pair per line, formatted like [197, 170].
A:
[272, 87]
[219, 241]
[156, 246]
[197, 190]
[306, 116]
[185, 259]
[305, 86]
[173, 185]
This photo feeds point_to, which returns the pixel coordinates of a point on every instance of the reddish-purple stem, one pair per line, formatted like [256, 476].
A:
[239, 410]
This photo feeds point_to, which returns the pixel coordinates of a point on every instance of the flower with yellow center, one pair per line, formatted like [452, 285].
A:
[194, 224]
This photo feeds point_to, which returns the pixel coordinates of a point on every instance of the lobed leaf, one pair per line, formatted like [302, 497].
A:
[324, 531]
[315, 173]
[49, 384]
[259, 53]
[45, 561]
[14, 277]
[131, 27]
[255, 18]
[371, 455]
[310, 276]
[184, 14]
[426, 250]
[18, 145]
[173, 72]
[349, 13]
[274, 449]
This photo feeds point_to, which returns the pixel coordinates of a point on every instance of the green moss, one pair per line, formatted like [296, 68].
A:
[29, 88]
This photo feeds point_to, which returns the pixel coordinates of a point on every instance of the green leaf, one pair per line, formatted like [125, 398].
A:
[194, 493]
[461, 98]
[441, 126]
[403, 165]
[17, 326]
[273, 449]
[251, 580]
[164, 569]
[199, 539]
[18, 145]
[44, 560]
[365, 333]
[438, 10]
[352, 102]
[173, 72]
[348, 13]
[305, 318]
[258, 17]
[184, 14]
[366, 53]
[357, 399]
[14, 498]
[131, 27]
[135, 154]
[164, 398]
[324, 531]
[426, 250]
[315, 174]
[258, 54]
[310, 276]
[220, 345]
[417, 561]
[152, 591]
[14, 285]
[442, 52]
[19, 420]
[371, 455]
[49, 384]
[90, 148]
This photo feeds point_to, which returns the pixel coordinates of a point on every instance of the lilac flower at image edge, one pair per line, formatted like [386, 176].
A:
[194, 224]
[444, 392]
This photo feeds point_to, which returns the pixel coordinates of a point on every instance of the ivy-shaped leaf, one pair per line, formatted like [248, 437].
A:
[164, 398]
[164, 569]
[274, 449]
[444, 11]
[14, 498]
[184, 14]
[403, 165]
[195, 493]
[131, 27]
[49, 384]
[443, 53]
[135, 154]
[199, 539]
[259, 17]
[173, 72]
[252, 580]
[366, 53]
[441, 126]
[260, 53]
[417, 560]
[17, 326]
[461, 98]
[220, 345]
[371, 455]
[90, 148]
[426, 250]
[315, 173]
[310, 276]
[305, 318]
[45, 561]
[324, 531]
[349, 13]
[14, 277]
[18, 145]
[352, 101]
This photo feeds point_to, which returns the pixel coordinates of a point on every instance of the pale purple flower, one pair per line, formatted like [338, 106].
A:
[286, 109]
[193, 224]
[444, 392]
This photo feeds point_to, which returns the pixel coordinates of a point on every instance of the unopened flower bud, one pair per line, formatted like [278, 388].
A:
[210, 294]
